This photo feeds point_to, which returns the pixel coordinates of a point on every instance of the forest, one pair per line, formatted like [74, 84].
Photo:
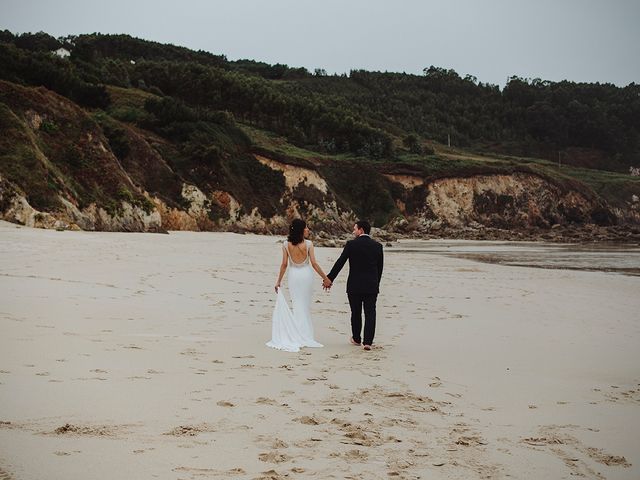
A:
[371, 115]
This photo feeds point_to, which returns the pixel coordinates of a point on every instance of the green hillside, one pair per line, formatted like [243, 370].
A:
[171, 115]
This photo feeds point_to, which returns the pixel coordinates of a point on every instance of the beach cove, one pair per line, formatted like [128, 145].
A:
[142, 356]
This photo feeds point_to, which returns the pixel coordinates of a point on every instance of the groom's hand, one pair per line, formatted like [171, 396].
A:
[326, 283]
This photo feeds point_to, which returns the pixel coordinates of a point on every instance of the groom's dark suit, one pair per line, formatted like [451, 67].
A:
[365, 270]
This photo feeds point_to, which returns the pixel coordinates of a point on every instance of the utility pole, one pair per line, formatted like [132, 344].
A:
[448, 139]
[559, 164]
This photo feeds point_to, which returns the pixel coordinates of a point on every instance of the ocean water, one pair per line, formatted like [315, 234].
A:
[604, 257]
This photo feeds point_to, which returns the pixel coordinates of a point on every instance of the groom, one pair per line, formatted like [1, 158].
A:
[365, 270]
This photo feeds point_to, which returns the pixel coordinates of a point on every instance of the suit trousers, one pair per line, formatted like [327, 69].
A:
[357, 301]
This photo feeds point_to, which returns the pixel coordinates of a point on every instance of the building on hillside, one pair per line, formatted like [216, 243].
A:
[62, 52]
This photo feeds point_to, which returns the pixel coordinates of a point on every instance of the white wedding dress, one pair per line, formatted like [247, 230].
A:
[291, 330]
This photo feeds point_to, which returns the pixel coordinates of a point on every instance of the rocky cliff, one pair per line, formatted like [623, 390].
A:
[65, 167]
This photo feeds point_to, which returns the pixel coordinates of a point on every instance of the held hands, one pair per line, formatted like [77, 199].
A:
[326, 284]
[277, 287]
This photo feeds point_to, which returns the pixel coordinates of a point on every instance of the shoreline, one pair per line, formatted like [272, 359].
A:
[593, 257]
[574, 234]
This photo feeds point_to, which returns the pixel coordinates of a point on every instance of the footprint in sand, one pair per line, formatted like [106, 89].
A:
[4, 475]
[470, 441]
[183, 431]
[565, 446]
[271, 475]
[277, 443]
[98, 430]
[313, 420]
[355, 455]
[274, 457]
[436, 382]
[190, 431]
[359, 436]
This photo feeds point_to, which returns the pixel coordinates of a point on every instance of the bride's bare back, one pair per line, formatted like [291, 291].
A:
[298, 253]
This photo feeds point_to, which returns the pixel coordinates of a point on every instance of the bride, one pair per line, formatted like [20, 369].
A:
[292, 330]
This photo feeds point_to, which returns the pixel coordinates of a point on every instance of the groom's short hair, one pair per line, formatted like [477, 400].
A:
[364, 225]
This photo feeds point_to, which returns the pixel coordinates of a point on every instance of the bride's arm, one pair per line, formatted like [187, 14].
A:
[315, 265]
[283, 268]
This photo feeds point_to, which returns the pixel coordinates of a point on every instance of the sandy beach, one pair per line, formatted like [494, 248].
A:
[134, 356]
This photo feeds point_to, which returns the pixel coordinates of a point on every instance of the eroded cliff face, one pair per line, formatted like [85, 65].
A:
[64, 168]
[127, 218]
[306, 196]
[501, 201]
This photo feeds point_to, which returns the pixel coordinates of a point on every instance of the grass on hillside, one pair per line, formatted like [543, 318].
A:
[616, 188]
[278, 144]
[435, 165]
[127, 104]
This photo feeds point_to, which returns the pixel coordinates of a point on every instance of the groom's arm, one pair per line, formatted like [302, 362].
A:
[339, 263]
[380, 264]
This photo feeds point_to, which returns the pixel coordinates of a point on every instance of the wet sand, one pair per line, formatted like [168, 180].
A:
[596, 257]
[143, 356]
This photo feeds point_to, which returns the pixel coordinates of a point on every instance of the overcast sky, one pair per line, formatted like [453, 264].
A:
[579, 40]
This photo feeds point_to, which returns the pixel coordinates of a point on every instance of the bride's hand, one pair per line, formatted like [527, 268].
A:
[277, 287]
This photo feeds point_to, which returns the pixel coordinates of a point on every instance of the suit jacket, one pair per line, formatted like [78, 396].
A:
[365, 265]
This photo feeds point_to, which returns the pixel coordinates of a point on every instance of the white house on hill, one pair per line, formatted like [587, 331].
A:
[62, 52]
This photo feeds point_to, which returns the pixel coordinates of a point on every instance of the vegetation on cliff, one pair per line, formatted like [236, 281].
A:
[132, 116]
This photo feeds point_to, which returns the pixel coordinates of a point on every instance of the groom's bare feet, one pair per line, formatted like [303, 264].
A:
[353, 342]
[367, 347]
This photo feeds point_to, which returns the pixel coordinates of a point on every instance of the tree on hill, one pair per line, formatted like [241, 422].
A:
[364, 113]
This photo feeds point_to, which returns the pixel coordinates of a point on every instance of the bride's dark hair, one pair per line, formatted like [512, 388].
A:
[296, 231]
